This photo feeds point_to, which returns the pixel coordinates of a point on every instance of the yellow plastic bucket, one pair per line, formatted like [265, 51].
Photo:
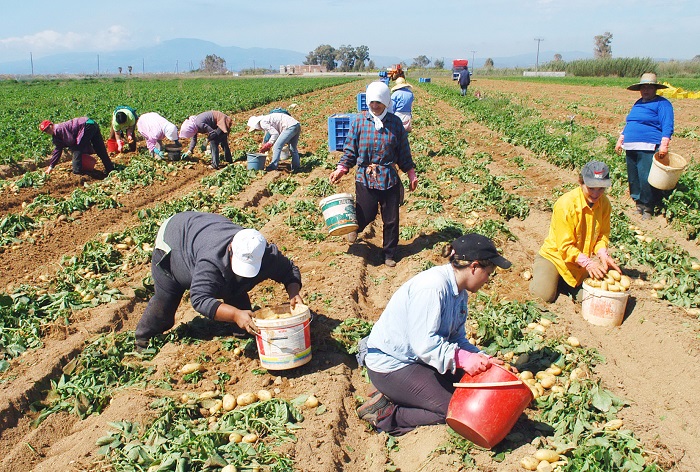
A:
[284, 341]
[339, 213]
[665, 177]
[602, 307]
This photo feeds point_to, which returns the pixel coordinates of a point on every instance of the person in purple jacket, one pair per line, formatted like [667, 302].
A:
[81, 136]
[218, 262]
[648, 131]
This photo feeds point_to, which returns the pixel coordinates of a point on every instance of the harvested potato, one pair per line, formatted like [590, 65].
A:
[245, 399]
[190, 368]
[544, 466]
[229, 468]
[546, 455]
[529, 463]
[613, 425]
[229, 402]
[526, 374]
[264, 395]
[548, 381]
[554, 370]
[250, 438]
[235, 437]
[311, 402]
[614, 274]
[573, 341]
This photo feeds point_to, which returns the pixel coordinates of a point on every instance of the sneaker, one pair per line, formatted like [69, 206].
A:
[213, 167]
[646, 215]
[351, 237]
[390, 262]
[640, 208]
[379, 415]
[270, 168]
[369, 409]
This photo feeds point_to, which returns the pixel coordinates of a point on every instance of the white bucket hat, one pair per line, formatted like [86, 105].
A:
[247, 250]
[170, 132]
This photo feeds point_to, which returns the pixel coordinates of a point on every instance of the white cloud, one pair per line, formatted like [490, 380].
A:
[54, 42]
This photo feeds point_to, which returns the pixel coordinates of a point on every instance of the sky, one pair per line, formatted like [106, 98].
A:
[438, 29]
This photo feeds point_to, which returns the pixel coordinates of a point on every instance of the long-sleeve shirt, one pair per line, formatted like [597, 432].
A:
[209, 121]
[424, 322]
[200, 260]
[68, 134]
[402, 100]
[648, 122]
[464, 77]
[152, 128]
[131, 118]
[376, 151]
[576, 228]
[275, 123]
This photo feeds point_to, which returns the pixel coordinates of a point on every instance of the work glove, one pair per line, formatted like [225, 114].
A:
[120, 145]
[338, 173]
[186, 154]
[158, 154]
[618, 145]
[471, 362]
[265, 147]
[594, 268]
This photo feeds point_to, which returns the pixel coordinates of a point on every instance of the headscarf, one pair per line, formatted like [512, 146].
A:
[378, 92]
[189, 128]
[170, 131]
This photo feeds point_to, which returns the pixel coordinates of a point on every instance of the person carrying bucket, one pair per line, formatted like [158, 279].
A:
[377, 142]
[216, 260]
[648, 131]
[579, 234]
[418, 348]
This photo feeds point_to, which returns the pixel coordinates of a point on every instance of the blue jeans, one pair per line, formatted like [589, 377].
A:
[638, 167]
[288, 136]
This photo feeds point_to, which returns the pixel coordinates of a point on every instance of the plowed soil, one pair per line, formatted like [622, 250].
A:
[651, 360]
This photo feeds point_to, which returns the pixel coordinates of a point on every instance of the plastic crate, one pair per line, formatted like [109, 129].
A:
[385, 80]
[338, 128]
[382, 73]
[361, 101]
[455, 75]
[424, 79]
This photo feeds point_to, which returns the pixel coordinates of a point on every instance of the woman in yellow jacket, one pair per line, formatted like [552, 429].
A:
[579, 234]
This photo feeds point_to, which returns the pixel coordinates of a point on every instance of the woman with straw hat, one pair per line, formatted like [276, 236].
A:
[648, 130]
[402, 100]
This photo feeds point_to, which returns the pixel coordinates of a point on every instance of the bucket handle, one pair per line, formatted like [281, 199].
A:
[507, 383]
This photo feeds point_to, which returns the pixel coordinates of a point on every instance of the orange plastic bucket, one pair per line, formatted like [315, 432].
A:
[88, 162]
[485, 415]
[112, 145]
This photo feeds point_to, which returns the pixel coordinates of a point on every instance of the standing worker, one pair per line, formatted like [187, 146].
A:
[465, 78]
[418, 347]
[402, 101]
[283, 129]
[80, 135]
[216, 260]
[648, 130]
[376, 143]
[124, 120]
[154, 128]
[216, 125]
[579, 234]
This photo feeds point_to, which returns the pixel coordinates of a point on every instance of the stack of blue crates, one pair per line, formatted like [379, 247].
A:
[382, 73]
[424, 79]
[361, 101]
[338, 128]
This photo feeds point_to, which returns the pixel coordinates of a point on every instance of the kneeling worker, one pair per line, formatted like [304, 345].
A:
[216, 260]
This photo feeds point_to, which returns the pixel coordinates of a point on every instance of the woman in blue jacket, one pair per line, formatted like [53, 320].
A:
[648, 130]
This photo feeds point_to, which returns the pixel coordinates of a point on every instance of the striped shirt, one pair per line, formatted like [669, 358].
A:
[377, 151]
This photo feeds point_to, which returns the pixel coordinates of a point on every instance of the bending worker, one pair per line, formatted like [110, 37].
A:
[124, 122]
[216, 260]
[80, 135]
[216, 125]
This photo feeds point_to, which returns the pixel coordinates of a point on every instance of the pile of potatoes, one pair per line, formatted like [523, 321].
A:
[544, 460]
[612, 282]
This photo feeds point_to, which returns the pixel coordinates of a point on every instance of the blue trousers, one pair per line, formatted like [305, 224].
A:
[288, 136]
[638, 167]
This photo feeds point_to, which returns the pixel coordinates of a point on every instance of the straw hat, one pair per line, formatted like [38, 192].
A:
[401, 83]
[647, 79]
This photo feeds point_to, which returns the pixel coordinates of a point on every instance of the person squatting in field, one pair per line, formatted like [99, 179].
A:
[648, 130]
[80, 135]
[216, 125]
[124, 120]
[282, 129]
[418, 347]
[579, 230]
[377, 142]
[154, 128]
[216, 260]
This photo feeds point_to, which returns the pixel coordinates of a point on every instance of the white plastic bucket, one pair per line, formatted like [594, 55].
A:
[665, 177]
[339, 213]
[284, 343]
[602, 307]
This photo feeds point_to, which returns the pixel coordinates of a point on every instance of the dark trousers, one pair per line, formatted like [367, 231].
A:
[214, 148]
[91, 138]
[420, 394]
[369, 202]
[159, 315]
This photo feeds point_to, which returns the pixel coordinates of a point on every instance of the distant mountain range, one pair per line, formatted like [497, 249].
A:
[183, 55]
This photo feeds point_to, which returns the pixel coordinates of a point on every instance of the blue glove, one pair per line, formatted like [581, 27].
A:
[158, 154]
[185, 155]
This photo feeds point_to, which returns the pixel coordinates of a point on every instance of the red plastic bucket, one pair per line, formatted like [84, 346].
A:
[112, 145]
[485, 415]
[88, 162]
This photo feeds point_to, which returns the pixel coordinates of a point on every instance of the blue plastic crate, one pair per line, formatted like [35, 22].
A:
[382, 73]
[385, 80]
[361, 101]
[424, 79]
[455, 75]
[338, 128]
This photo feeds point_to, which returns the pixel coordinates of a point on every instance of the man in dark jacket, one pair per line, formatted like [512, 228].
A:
[216, 260]
[464, 80]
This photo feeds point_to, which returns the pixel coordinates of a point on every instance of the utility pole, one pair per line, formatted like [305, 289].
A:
[177, 70]
[143, 65]
[537, 60]
[31, 61]
[473, 53]
[98, 64]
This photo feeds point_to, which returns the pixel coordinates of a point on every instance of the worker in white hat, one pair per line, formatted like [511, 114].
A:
[215, 260]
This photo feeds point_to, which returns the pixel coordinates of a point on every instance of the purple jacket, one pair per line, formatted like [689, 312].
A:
[67, 135]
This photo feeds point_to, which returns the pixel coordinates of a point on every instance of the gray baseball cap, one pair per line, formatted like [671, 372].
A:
[596, 174]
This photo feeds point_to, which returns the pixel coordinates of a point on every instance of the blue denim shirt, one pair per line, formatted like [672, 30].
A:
[422, 323]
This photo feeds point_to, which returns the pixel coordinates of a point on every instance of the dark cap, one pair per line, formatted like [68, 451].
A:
[596, 174]
[475, 247]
